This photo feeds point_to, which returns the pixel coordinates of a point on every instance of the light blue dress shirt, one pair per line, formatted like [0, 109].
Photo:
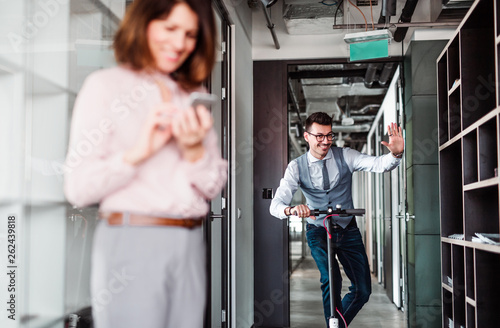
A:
[355, 160]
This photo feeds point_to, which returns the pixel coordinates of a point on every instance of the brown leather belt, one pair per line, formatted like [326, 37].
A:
[117, 218]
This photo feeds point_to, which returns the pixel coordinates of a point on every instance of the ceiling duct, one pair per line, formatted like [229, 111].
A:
[371, 74]
[351, 128]
[386, 74]
[457, 3]
[361, 3]
[305, 17]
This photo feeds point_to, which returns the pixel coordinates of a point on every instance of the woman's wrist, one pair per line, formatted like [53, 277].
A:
[192, 153]
[133, 157]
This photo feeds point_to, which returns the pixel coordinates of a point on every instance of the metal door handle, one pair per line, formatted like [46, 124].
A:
[406, 216]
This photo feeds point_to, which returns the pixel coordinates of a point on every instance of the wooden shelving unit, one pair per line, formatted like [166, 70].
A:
[468, 72]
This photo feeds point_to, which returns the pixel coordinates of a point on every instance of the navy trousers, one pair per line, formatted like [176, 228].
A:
[352, 255]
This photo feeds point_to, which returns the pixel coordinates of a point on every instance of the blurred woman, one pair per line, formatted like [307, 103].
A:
[151, 161]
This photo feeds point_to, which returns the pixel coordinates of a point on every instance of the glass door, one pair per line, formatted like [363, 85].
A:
[401, 210]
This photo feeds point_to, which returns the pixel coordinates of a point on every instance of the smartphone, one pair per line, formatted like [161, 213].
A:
[205, 99]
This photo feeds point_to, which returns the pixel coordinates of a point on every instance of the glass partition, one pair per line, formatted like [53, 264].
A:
[47, 49]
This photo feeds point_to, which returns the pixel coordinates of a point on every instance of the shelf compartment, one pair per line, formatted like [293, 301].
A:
[470, 157]
[488, 153]
[477, 56]
[498, 66]
[487, 288]
[482, 184]
[454, 104]
[453, 61]
[443, 99]
[469, 273]
[471, 316]
[470, 300]
[458, 285]
[447, 308]
[454, 87]
[450, 176]
[481, 211]
[497, 17]
[446, 264]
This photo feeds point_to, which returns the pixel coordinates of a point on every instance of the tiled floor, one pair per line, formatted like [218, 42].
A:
[307, 310]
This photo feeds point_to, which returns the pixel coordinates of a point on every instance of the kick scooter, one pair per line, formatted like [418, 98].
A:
[333, 321]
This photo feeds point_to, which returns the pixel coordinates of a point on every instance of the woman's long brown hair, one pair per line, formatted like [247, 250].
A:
[131, 44]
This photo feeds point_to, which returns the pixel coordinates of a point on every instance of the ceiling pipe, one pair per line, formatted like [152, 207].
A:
[365, 109]
[410, 24]
[405, 17]
[388, 9]
[265, 4]
[295, 101]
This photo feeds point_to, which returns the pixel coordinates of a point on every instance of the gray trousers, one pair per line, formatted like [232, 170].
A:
[152, 277]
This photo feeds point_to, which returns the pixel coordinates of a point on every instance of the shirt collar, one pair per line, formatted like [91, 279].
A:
[313, 159]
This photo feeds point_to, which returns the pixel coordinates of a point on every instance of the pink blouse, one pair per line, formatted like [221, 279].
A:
[108, 116]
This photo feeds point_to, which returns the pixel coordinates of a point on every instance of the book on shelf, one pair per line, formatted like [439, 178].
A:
[487, 238]
[458, 236]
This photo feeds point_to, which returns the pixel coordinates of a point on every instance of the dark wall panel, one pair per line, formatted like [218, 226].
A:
[270, 160]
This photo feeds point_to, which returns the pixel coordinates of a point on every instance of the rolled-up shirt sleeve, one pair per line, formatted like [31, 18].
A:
[284, 194]
[91, 170]
[361, 162]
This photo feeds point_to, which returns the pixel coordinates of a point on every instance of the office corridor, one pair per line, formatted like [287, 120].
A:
[306, 310]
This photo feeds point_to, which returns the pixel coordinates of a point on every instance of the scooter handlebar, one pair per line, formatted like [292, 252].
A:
[356, 212]
[338, 211]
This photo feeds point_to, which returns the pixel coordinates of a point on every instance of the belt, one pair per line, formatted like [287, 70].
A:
[117, 218]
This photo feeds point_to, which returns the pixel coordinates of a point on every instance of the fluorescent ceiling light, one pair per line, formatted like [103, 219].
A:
[367, 36]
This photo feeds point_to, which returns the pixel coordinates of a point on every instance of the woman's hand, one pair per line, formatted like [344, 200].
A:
[157, 130]
[396, 143]
[189, 129]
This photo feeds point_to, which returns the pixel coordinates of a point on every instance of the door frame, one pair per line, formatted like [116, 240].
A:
[225, 138]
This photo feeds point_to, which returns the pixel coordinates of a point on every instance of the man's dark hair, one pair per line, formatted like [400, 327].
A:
[319, 117]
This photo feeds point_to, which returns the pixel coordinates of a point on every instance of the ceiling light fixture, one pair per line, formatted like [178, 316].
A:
[367, 36]
[368, 45]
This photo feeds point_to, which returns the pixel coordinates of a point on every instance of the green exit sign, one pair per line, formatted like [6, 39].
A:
[369, 50]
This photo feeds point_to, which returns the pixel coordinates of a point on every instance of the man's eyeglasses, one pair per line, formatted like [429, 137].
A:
[321, 137]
